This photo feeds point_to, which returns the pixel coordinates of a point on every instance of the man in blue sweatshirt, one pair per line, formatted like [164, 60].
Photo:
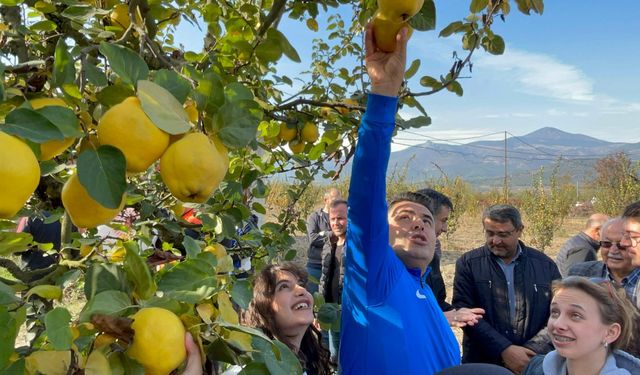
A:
[391, 322]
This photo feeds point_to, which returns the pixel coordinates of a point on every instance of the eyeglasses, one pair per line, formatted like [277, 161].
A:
[633, 239]
[608, 244]
[502, 235]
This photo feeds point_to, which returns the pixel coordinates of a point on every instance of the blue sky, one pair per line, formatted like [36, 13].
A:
[574, 68]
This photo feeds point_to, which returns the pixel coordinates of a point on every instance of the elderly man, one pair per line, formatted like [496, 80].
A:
[583, 246]
[631, 239]
[318, 231]
[511, 282]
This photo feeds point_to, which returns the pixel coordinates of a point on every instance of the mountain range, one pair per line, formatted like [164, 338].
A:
[482, 163]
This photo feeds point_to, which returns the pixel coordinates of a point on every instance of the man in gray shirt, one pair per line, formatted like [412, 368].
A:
[582, 247]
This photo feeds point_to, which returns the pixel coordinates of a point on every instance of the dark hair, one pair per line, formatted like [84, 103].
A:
[439, 199]
[503, 213]
[336, 202]
[313, 357]
[410, 196]
[613, 303]
[632, 211]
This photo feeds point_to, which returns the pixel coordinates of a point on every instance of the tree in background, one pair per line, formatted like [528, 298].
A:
[82, 84]
[616, 183]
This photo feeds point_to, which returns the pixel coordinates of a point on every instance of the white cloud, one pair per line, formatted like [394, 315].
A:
[541, 75]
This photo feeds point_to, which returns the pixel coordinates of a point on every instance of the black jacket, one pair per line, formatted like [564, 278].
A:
[436, 282]
[318, 230]
[480, 282]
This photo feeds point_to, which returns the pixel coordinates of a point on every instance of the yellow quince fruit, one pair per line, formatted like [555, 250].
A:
[193, 167]
[400, 9]
[126, 127]
[119, 16]
[51, 149]
[19, 174]
[296, 146]
[83, 210]
[309, 132]
[158, 340]
[287, 133]
[385, 30]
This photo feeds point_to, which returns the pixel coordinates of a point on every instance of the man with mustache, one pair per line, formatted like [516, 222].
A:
[511, 282]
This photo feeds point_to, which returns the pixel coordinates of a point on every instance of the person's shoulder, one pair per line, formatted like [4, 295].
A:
[591, 268]
[473, 254]
[536, 254]
[626, 361]
[535, 366]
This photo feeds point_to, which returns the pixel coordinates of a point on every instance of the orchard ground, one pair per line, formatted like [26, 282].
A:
[468, 236]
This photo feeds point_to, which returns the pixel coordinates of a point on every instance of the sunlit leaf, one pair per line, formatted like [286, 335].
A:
[11, 242]
[138, 272]
[164, 110]
[63, 65]
[29, 124]
[425, 20]
[110, 302]
[49, 292]
[413, 68]
[478, 6]
[190, 281]
[174, 83]
[48, 362]
[125, 62]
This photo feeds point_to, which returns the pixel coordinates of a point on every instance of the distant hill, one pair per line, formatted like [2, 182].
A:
[482, 163]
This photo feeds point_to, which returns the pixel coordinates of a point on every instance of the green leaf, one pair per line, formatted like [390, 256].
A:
[413, 68]
[64, 119]
[455, 87]
[125, 62]
[112, 95]
[63, 65]
[79, 13]
[30, 124]
[428, 81]
[494, 45]
[277, 356]
[102, 172]
[11, 242]
[287, 48]
[417, 122]
[56, 323]
[269, 51]
[312, 24]
[163, 108]
[8, 334]
[328, 314]
[138, 272]
[238, 122]
[469, 41]
[174, 83]
[425, 20]
[11, 3]
[524, 6]
[242, 293]
[210, 93]
[95, 75]
[478, 6]
[45, 25]
[110, 302]
[102, 277]
[190, 281]
[451, 28]
[235, 92]
[191, 246]
[244, 329]
[537, 6]
[7, 295]
[49, 292]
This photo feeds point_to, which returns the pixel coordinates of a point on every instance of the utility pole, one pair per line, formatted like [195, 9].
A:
[506, 178]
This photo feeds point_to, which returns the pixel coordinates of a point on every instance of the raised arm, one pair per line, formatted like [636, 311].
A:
[368, 235]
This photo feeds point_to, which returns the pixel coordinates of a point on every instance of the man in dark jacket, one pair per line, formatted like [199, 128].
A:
[511, 282]
[318, 230]
[582, 247]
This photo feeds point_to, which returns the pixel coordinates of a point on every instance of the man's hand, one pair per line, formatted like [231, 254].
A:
[386, 70]
[516, 358]
[194, 361]
[464, 316]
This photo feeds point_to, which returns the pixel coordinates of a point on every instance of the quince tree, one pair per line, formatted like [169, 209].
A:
[153, 160]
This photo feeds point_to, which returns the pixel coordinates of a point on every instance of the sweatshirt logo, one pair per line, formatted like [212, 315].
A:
[420, 295]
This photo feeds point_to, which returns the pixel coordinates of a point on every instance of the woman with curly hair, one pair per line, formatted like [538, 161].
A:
[283, 309]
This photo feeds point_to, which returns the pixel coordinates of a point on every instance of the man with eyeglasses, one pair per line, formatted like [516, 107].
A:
[511, 282]
[582, 247]
[631, 239]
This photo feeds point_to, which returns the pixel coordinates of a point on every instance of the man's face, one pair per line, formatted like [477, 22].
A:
[501, 238]
[631, 240]
[614, 255]
[412, 234]
[442, 220]
[338, 220]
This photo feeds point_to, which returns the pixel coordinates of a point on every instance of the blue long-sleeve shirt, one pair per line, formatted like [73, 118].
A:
[391, 322]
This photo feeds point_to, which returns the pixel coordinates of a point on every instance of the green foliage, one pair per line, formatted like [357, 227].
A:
[545, 207]
[616, 184]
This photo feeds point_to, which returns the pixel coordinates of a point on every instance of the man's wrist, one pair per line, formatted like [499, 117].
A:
[386, 90]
